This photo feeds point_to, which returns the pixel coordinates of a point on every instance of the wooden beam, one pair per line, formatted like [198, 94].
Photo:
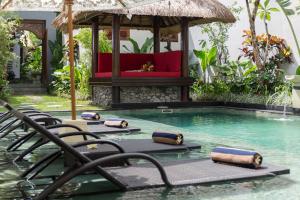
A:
[116, 56]
[95, 45]
[156, 34]
[185, 55]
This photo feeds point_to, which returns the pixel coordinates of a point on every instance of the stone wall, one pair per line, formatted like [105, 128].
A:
[102, 95]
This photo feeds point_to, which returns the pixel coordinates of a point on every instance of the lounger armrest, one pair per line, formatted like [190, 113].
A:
[63, 126]
[68, 175]
[79, 133]
[49, 120]
[39, 114]
[88, 142]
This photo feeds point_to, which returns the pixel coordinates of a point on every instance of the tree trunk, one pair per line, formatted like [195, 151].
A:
[268, 42]
[252, 17]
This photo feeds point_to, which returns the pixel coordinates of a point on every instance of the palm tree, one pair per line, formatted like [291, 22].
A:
[285, 7]
[264, 12]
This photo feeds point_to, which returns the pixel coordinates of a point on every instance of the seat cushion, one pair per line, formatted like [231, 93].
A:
[134, 61]
[150, 74]
[104, 62]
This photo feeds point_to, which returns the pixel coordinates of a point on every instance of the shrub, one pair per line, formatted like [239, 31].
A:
[8, 25]
[61, 83]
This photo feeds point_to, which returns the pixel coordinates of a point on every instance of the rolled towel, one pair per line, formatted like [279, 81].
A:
[90, 116]
[118, 123]
[167, 137]
[243, 158]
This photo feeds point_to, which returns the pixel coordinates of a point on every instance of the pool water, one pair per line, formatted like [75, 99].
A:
[276, 137]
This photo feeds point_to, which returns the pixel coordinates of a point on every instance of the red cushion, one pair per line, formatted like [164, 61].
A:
[150, 74]
[168, 61]
[104, 62]
[163, 62]
[134, 61]
[173, 61]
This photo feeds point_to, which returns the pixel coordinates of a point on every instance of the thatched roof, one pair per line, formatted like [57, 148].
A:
[141, 16]
[57, 5]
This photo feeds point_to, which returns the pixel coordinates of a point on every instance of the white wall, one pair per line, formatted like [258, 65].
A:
[39, 15]
[278, 26]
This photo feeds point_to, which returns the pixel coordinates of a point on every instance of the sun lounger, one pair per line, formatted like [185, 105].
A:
[139, 176]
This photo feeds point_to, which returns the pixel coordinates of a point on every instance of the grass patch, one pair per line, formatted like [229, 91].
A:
[50, 103]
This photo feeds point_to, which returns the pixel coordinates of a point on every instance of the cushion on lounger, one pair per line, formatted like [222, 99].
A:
[118, 123]
[90, 116]
[167, 137]
[243, 158]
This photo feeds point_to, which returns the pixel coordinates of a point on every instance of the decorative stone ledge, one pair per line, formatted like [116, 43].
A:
[102, 95]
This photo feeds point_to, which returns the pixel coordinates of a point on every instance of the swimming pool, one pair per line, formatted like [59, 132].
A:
[275, 137]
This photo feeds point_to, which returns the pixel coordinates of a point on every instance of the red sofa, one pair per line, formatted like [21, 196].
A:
[167, 64]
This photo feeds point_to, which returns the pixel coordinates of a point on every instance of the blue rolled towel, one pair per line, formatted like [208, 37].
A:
[240, 157]
[167, 137]
[115, 122]
[90, 116]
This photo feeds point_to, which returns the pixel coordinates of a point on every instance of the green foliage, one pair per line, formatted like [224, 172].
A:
[241, 78]
[264, 10]
[57, 50]
[298, 71]
[146, 47]
[285, 6]
[207, 57]
[282, 95]
[84, 38]
[218, 34]
[33, 63]
[61, 83]
[8, 25]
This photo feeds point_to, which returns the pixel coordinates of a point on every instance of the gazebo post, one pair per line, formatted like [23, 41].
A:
[185, 56]
[156, 34]
[115, 57]
[95, 45]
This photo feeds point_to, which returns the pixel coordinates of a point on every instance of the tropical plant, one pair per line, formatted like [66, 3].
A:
[207, 58]
[252, 19]
[33, 63]
[264, 12]
[282, 95]
[84, 38]
[147, 46]
[8, 25]
[61, 81]
[279, 52]
[218, 34]
[285, 6]
[57, 50]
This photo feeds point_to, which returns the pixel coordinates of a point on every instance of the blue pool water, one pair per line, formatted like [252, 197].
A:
[275, 137]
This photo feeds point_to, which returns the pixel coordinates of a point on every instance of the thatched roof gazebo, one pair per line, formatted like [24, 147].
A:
[160, 17]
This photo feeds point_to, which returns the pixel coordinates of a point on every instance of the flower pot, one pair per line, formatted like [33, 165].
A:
[296, 89]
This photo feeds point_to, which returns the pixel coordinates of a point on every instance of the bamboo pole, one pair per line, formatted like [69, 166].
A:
[69, 4]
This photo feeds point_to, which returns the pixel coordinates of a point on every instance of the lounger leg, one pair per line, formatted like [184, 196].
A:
[41, 165]
[11, 129]
[39, 143]
[19, 142]
[6, 126]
